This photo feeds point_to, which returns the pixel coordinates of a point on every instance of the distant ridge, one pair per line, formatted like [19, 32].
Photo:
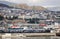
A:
[7, 4]
[4, 5]
[23, 6]
[53, 8]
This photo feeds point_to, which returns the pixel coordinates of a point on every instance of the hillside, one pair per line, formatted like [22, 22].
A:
[7, 3]
[25, 6]
[3, 5]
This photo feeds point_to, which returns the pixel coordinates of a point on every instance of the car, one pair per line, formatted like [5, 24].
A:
[39, 30]
[15, 30]
[1, 31]
[28, 31]
[36, 31]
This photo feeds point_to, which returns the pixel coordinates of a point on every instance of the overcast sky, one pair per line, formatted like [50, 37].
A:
[47, 3]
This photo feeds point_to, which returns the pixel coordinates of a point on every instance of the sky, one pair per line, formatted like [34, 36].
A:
[45, 3]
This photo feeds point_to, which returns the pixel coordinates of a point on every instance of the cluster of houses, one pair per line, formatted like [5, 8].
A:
[19, 13]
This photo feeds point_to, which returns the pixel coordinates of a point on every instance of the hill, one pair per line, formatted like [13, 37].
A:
[25, 6]
[7, 3]
[3, 5]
